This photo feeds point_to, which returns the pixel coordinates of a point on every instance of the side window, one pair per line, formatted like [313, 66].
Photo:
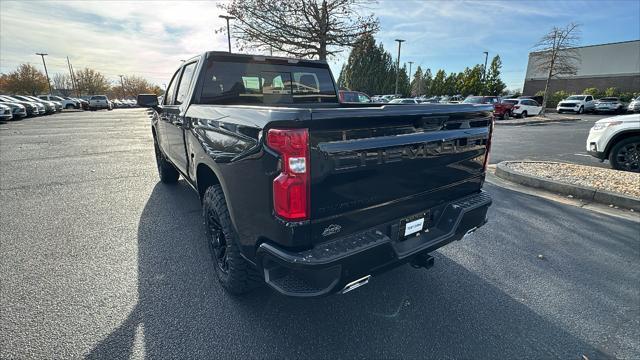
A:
[589, 98]
[185, 82]
[171, 90]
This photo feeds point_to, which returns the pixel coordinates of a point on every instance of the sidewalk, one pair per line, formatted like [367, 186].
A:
[549, 118]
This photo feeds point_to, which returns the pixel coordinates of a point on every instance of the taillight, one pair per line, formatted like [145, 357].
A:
[488, 149]
[291, 186]
[516, 107]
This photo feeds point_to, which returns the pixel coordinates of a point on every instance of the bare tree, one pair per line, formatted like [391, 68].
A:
[63, 84]
[301, 28]
[557, 54]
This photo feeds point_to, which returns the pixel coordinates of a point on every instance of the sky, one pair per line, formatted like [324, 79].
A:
[149, 39]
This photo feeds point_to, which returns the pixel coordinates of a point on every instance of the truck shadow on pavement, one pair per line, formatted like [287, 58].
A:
[446, 312]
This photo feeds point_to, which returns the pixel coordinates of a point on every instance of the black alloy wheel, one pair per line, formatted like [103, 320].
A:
[625, 155]
[217, 241]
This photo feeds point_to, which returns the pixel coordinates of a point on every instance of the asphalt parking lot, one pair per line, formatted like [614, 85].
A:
[563, 142]
[100, 260]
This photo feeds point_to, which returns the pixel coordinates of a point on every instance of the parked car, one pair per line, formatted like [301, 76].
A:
[618, 140]
[501, 109]
[99, 102]
[353, 97]
[49, 107]
[456, 99]
[309, 195]
[610, 104]
[5, 112]
[405, 101]
[576, 103]
[84, 104]
[18, 110]
[66, 103]
[538, 99]
[33, 108]
[634, 105]
[523, 107]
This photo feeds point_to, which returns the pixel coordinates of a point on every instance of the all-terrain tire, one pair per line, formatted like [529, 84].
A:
[168, 173]
[235, 274]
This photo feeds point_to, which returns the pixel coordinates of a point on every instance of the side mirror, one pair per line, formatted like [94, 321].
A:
[148, 100]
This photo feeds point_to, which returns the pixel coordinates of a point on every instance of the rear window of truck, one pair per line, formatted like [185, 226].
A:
[262, 83]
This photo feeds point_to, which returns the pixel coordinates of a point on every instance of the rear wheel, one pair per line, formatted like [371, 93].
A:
[234, 273]
[524, 114]
[625, 155]
[168, 173]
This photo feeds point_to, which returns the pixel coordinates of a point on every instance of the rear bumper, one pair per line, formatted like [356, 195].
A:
[328, 267]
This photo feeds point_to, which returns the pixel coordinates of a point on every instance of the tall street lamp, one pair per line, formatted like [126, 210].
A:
[45, 70]
[400, 41]
[227, 17]
[122, 85]
[484, 70]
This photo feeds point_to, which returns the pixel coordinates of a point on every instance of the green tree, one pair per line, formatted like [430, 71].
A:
[25, 80]
[427, 79]
[404, 87]
[340, 81]
[438, 83]
[472, 81]
[494, 85]
[417, 84]
[369, 69]
[451, 84]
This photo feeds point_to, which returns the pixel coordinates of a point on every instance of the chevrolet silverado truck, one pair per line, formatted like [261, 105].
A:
[305, 193]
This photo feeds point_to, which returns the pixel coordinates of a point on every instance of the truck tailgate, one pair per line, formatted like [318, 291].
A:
[370, 166]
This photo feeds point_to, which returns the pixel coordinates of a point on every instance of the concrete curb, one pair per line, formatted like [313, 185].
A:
[530, 122]
[581, 192]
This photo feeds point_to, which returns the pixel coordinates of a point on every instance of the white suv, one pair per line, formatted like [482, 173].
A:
[66, 104]
[617, 139]
[99, 102]
[577, 104]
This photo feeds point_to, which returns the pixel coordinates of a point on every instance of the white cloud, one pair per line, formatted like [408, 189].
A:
[143, 38]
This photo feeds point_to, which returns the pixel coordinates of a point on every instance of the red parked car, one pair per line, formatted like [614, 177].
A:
[500, 110]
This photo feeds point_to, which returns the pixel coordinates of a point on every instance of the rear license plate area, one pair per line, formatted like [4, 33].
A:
[414, 225]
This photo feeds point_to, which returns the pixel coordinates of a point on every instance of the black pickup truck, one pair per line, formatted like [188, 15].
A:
[310, 195]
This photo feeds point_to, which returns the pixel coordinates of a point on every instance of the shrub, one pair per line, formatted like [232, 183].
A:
[627, 97]
[592, 91]
[556, 97]
[611, 92]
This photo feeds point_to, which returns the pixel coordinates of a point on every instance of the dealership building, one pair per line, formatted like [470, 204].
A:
[600, 66]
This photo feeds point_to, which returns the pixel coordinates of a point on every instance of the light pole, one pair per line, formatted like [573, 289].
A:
[45, 70]
[410, 64]
[122, 85]
[227, 17]
[400, 41]
[484, 71]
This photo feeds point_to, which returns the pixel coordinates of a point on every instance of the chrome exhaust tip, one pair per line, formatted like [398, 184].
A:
[471, 231]
[355, 284]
